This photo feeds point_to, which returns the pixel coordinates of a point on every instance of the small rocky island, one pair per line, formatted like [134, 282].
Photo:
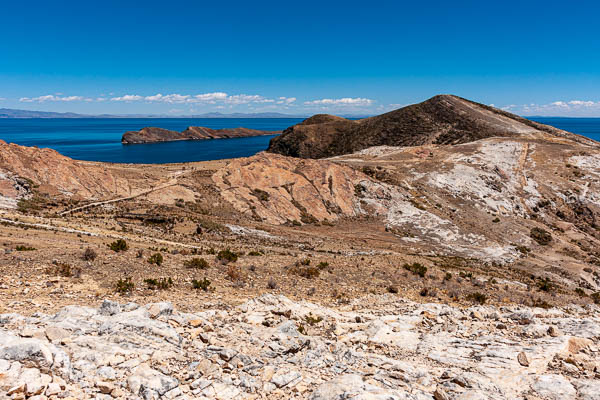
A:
[154, 135]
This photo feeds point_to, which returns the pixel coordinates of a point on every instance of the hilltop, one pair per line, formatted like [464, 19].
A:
[443, 119]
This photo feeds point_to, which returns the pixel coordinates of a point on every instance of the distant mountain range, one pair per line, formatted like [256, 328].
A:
[13, 113]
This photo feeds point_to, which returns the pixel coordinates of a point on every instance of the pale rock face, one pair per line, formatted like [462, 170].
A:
[385, 348]
[554, 387]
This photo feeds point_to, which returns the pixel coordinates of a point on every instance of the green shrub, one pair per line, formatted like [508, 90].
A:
[312, 320]
[124, 286]
[89, 254]
[24, 248]
[304, 271]
[202, 284]
[156, 258]
[160, 283]
[541, 236]
[416, 268]
[118, 245]
[65, 270]
[477, 297]
[255, 253]
[227, 256]
[196, 263]
[306, 261]
[392, 289]
[596, 297]
[580, 292]
[322, 265]
[448, 276]
[545, 284]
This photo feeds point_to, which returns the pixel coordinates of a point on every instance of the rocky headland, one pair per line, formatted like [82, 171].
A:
[443, 119]
[154, 135]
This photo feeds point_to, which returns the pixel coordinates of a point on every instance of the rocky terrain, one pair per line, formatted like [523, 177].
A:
[443, 119]
[153, 135]
[435, 271]
[272, 347]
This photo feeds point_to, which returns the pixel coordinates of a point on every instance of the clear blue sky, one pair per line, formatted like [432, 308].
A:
[534, 57]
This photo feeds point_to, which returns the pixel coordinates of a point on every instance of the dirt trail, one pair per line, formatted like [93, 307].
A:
[46, 224]
[99, 203]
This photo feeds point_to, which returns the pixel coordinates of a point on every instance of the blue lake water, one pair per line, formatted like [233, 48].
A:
[99, 139]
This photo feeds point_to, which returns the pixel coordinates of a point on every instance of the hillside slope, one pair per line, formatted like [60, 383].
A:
[443, 119]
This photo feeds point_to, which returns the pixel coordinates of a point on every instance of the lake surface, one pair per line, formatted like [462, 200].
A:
[99, 139]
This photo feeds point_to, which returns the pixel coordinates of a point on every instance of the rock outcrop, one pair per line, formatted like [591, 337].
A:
[443, 119]
[280, 189]
[23, 169]
[271, 346]
[154, 135]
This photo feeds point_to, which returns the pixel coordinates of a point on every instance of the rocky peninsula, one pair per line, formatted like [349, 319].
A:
[154, 134]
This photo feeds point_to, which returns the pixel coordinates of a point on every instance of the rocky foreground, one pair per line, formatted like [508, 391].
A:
[271, 347]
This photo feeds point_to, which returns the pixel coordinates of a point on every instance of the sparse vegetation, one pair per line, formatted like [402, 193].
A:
[203, 284]
[124, 286]
[522, 249]
[156, 258]
[322, 265]
[89, 254]
[118, 245]
[227, 256]
[255, 253]
[65, 270]
[31, 205]
[234, 273]
[392, 289]
[310, 320]
[271, 284]
[24, 248]
[477, 297]
[541, 236]
[541, 304]
[545, 285]
[196, 263]
[160, 283]
[305, 261]
[206, 225]
[416, 268]
[261, 194]
[304, 270]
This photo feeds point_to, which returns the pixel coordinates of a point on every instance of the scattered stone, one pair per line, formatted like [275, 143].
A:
[523, 360]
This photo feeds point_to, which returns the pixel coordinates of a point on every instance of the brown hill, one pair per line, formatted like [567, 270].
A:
[443, 119]
[153, 134]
